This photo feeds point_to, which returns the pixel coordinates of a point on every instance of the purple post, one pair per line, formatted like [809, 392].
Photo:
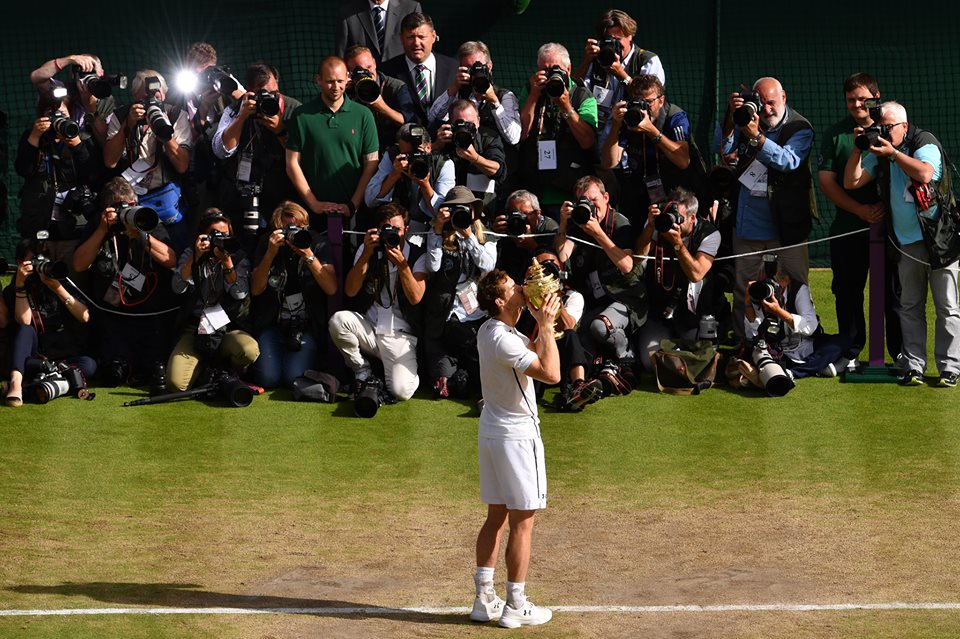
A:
[877, 293]
[335, 302]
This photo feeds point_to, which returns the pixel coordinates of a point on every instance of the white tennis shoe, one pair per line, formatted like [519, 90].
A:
[528, 615]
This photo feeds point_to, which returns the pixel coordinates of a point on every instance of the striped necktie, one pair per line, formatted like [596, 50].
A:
[380, 21]
[422, 91]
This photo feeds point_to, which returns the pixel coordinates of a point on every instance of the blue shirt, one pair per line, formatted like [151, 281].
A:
[754, 217]
[903, 208]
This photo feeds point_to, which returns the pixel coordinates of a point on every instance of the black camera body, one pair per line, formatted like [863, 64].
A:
[583, 210]
[217, 79]
[43, 265]
[137, 218]
[461, 216]
[480, 77]
[389, 236]
[297, 236]
[669, 216]
[752, 104]
[100, 86]
[65, 127]
[419, 163]
[156, 117]
[224, 241]
[366, 88]
[81, 203]
[292, 330]
[764, 290]
[50, 380]
[516, 223]
[268, 102]
[637, 110]
[464, 133]
[871, 135]
[557, 81]
[369, 398]
[610, 51]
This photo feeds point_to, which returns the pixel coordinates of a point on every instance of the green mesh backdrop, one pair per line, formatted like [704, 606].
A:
[708, 48]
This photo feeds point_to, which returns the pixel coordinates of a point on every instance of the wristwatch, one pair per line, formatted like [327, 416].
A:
[311, 259]
[755, 142]
[657, 139]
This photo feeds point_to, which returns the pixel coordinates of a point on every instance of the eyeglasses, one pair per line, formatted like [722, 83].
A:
[650, 101]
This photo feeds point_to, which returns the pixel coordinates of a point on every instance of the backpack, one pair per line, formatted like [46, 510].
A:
[684, 368]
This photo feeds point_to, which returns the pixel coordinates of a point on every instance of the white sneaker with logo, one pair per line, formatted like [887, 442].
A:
[528, 615]
[484, 611]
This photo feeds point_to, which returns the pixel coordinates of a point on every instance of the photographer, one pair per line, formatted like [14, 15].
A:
[89, 111]
[606, 274]
[558, 120]
[456, 259]
[611, 62]
[250, 141]
[130, 268]
[215, 272]
[772, 143]
[411, 175]
[56, 162]
[290, 286]
[522, 217]
[908, 166]
[650, 148]
[48, 320]
[780, 312]
[387, 282]
[392, 105]
[477, 153]
[681, 293]
[150, 142]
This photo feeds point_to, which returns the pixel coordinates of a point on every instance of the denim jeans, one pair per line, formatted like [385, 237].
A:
[277, 366]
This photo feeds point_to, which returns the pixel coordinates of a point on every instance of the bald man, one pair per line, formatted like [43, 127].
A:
[772, 143]
[332, 147]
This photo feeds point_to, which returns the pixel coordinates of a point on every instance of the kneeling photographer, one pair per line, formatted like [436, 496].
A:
[249, 140]
[216, 273]
[127, 253]
[780, 321]
[290, 285]
[411, 175]
[684, 300]
[49, 324]
[457, 256]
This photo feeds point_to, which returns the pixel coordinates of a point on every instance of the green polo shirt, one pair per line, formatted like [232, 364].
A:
[834, 151]
[332, 146]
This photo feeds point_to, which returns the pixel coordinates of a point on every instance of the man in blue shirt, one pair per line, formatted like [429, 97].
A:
[774, 203]
[908, 164]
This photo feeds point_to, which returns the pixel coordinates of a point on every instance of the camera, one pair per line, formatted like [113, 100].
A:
[752, 104]
[113, 373]
[80, 202]
[137, 218]
[419, 163]
[463, 133]
[369, 398]
[52, 380]
[871, 135]
[223, 241]
[157, 119]
[480, 79]
[669, 216]
[389, 236]
[217, 79]
[297, 236]
[64, 126]
[550, 267]
[100, 86]
[767, 287]
[557, 81]
[610, 51]
[268, 102]
[292, 330]
[365, 85]
[461, 216]
[583, 210]
[774, 379]
[250, 192]
[49, 269]
[637, 109]
[516, 223]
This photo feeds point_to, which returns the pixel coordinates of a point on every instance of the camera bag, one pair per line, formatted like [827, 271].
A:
[685, 368]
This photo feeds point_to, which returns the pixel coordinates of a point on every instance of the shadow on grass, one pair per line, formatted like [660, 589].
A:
[177, 595]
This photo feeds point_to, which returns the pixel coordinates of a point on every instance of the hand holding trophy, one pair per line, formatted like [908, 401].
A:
[537, 285]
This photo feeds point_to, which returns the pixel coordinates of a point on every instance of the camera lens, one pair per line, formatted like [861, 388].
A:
[583, 210]
[139, 218]
[461, 216]
[636, 112]
[268, 103]
[744, 114]
[64, 126]
[297, 236]
[419, 167]
[516, 223]
[761, 290]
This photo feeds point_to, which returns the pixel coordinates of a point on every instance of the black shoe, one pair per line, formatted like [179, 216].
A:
[947, 380]
[915, 378]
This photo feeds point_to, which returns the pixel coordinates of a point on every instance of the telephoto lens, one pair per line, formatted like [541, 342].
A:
[762, 290]
[557, 81]
[583, 210]
[419, 164]
[50, 269]
[224, 242]
[157, 119]
[64, 126]
[479, 77]
[365, 85]
[251, 217]
[50, 388]
[368, 400]
[138, 218]
[463, 134]
[299, 237]
[610, 49]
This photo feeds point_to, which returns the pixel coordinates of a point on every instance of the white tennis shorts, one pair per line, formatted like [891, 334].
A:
[513, 473]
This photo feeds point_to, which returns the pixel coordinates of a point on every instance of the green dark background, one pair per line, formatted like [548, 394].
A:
[707, 47]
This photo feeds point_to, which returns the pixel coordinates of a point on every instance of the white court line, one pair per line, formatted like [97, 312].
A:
[399, 612]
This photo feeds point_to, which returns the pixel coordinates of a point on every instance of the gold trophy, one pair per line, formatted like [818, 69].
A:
[537, 286]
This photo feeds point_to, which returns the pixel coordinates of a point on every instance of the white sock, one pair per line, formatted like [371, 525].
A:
[483, 579]
[516, 598]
